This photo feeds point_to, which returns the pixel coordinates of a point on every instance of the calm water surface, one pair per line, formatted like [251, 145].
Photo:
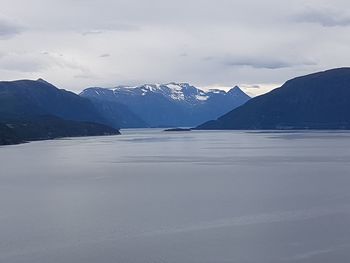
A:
[151, 196]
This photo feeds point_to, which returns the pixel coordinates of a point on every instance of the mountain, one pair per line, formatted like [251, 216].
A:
[8, 136]
[172, 104]
[117, 114]
[49, 127]
[316, 101]
[28, 98]
[31, 110]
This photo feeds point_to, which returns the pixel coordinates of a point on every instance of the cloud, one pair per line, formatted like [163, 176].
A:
[9, 28]
[85, 76]
[258, 89]
[37, 62]
[325, 17]
[251, 86]
[22, 62]
[106, 55]
[264, 62]
[109, 28]
[92, 32]
[149, 40]
[259, 63]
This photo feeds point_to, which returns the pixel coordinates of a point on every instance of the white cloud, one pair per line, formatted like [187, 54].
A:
[9, 28]
[110, 27]
[37, 62]
[327, 17]
[263, 62]
[197, 41]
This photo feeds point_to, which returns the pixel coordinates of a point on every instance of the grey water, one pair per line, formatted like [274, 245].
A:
[152, 196]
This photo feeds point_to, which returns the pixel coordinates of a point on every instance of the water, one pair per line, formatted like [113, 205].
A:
[151, 196]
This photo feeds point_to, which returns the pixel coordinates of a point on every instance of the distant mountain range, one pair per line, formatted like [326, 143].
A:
[32, 110]
[163, 105]
[35, 110]
[317, 101]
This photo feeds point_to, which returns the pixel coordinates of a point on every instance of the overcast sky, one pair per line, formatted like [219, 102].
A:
[218, 43]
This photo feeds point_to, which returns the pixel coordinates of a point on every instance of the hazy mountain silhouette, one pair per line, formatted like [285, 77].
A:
[162, 105]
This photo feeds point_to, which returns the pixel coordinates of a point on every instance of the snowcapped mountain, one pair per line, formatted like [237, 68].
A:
[171, 104]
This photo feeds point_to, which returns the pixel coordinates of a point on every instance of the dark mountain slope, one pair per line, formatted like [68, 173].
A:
[317, 101]
[8, 136]
[50, 127]
[117, 114]
[32, 98]
[34, 110]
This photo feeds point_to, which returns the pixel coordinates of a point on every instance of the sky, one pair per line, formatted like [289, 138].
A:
[257, 45]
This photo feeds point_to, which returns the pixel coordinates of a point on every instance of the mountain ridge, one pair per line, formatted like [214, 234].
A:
[36, 109]
[172, 104]
[314, 101]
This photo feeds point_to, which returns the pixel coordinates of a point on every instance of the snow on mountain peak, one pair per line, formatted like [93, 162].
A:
[176, 92]
[181, 92]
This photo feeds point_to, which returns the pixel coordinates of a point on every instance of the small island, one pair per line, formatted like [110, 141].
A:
[178, 130]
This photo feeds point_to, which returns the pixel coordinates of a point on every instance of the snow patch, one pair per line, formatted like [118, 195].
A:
[202, 98]
[217, 91]
[176, 91]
